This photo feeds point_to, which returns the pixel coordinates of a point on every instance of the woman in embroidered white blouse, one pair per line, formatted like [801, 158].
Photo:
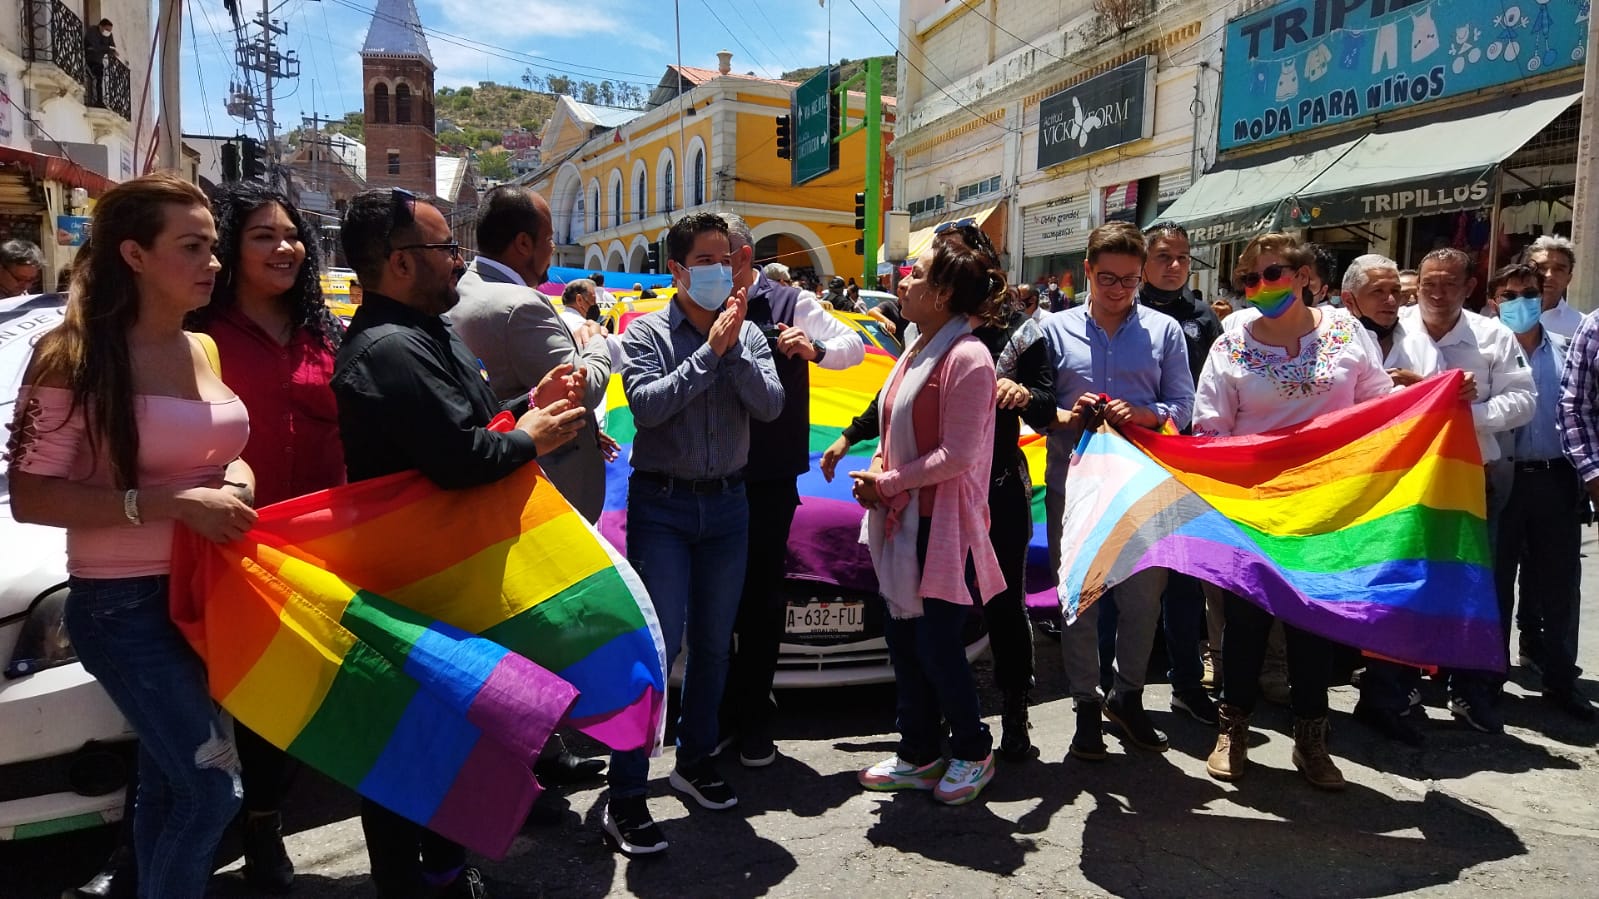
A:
[1292, 363]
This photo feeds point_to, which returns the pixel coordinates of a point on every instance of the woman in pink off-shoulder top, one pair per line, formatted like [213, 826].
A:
[122, 428]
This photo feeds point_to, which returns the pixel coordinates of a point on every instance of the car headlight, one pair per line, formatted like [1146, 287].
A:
[44, 642]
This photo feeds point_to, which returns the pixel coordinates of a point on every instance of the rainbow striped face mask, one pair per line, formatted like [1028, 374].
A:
[1271, 291]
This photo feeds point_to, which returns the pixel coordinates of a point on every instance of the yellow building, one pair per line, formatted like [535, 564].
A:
[617, 178]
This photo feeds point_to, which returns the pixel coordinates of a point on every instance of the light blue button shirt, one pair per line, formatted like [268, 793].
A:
[1144, 363]
[1540, 438]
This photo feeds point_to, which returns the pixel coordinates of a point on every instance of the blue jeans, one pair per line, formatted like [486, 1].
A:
[188, 769]
[934, 685]
[689, 550]
[1183, 613]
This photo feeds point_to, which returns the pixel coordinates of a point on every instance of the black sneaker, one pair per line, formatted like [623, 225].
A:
[705, 786]
[1477, 711]
[1389, 723]
[756, 751]
[628, 823]
[1571, 701]
[467, 885]
[1197, 703]
[1126, 710]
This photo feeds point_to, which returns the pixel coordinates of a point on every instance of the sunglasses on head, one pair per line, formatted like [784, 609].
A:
[949, 226]
[1252, 280]
[1527, 293]
[403, 204]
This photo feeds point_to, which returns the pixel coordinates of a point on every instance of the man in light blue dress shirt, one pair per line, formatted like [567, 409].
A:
[1138, 359]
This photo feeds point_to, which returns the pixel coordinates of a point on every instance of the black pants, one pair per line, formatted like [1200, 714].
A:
[758, 628]
[1310, 660]
[1010, 529]
[265, 770]
[1540, 533]
[400, 851]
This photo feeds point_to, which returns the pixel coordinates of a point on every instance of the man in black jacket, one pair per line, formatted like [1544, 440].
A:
[1165, 289]
[411, 396]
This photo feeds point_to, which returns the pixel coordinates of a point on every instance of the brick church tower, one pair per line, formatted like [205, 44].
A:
[397, 89]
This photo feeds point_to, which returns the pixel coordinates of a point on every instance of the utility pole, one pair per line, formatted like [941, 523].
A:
[169, 140]
[259, 55]
[874, 170]
[1585, 215]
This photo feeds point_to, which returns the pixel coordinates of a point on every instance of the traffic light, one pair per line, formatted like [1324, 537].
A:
[860, 212]
[652, 259]
[253, 164]
[230, 162]
[860, 246]
[785, 147]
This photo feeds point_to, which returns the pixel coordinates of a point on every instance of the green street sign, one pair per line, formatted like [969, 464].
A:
[815, 154]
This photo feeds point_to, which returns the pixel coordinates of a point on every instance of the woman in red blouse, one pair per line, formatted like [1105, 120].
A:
[277, 343]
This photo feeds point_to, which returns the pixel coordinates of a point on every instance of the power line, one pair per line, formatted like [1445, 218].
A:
[799, 63]
[199, 71]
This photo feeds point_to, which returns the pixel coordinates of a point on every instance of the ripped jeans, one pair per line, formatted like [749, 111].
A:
[188, 768]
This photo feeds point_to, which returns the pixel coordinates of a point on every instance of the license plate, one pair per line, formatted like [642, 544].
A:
[826, 618]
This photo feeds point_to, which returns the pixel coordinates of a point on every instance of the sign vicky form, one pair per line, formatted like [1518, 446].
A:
[1301, 64]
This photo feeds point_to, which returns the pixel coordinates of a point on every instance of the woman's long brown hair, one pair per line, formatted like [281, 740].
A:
[89, 349]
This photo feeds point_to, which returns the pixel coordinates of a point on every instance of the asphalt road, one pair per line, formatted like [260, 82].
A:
[1467, 815]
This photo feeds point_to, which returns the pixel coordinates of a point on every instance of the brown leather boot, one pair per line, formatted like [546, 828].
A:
[1231, 755]
[1310, 754]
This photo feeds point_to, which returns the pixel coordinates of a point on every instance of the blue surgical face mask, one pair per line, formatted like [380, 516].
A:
[710, 285]
[1521, 314]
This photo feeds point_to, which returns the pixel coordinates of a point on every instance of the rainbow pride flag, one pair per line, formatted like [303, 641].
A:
[1366, 526]
[824, 543]
[419, 645]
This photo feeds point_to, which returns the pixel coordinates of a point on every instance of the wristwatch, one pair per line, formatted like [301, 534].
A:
[821, 353]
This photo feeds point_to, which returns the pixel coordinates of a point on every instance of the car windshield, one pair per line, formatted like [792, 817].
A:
[880, 336]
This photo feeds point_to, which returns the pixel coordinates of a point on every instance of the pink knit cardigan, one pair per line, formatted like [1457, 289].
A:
[960, 465]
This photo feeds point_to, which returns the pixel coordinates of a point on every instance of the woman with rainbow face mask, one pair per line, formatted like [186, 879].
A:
[1284, 364]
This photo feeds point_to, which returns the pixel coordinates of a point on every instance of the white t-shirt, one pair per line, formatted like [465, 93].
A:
[1248, 387]
[1561, 319]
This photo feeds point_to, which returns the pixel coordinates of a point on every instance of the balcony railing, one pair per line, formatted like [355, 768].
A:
[55, 36]
[113, 88]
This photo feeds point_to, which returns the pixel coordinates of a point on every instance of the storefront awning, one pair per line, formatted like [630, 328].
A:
[1240, 202]
[1434, 168]
[56, 168]
[922, 238]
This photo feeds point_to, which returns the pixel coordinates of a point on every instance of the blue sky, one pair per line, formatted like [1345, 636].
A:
[496, 40]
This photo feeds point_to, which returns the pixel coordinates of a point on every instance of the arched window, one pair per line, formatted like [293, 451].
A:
[616, 204]
[666, 185]
[380, 104]
[699, 177]
[594, 210]
[643, 196]
[575, 228]
[402, 104]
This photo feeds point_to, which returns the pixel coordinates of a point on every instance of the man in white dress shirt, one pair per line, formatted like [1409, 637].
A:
[1555, 258]
[1440, 334]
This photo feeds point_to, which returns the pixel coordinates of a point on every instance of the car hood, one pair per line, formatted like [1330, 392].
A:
[35, 557]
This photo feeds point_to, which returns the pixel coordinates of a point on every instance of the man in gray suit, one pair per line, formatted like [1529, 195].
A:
[519, 338]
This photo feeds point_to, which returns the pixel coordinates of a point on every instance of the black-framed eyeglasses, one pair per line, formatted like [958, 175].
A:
[1107, 279]
[1527, 293]
[1251, 280]
[453, 248]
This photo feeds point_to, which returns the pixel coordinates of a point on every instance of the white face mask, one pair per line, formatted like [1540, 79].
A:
[106, 32]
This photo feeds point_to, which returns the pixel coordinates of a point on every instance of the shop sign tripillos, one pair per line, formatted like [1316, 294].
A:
[1301, 64]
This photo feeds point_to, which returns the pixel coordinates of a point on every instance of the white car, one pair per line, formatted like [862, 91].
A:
[65, 750]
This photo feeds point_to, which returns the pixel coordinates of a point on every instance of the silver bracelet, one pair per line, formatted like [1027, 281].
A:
[130, 506]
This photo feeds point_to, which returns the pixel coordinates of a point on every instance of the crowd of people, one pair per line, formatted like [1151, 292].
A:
[198, 375]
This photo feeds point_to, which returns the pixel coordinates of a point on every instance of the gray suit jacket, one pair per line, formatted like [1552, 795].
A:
[518, 336]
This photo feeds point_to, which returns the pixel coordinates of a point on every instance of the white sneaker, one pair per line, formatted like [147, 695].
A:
[963, 780]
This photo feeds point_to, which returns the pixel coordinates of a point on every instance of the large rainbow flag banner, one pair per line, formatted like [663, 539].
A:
[1366, 526]
[419, 645]
[824, 544]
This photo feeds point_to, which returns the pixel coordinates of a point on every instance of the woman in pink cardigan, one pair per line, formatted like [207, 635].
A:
[927, 524]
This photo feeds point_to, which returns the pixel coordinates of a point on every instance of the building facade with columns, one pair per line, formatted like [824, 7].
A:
[617, 178]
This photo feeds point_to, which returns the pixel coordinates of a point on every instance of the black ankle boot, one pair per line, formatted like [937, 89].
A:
[1089, 742]
[1015, 744]
[1126, 710]
[118, 880]
[266, 862]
